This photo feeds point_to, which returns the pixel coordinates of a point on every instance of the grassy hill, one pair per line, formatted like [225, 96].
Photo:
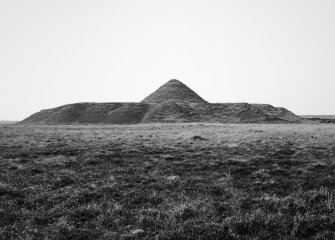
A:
[320, 118]
[172, 102]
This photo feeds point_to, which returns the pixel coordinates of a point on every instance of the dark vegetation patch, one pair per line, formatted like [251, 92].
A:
[167, 182]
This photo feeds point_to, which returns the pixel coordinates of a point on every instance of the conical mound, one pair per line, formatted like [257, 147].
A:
[173, 91]
[172, 102]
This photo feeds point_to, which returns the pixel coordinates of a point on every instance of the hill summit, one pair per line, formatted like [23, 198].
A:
[173, 91]
[172, 102]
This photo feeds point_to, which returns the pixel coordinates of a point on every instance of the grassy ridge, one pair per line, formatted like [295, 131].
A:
[4, 122]
[175, 181]
[319, 116]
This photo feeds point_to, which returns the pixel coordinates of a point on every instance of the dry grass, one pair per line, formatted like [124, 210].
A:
[172, 181]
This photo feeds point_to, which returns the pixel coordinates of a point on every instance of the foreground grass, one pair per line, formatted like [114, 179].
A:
[187, 181]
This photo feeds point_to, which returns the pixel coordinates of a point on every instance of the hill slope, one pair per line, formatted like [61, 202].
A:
[172, 102]
[173, 91]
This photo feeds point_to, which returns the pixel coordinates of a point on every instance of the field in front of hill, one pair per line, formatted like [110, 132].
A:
[171, 181]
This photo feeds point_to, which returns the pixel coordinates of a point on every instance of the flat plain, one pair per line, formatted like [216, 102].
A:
[167, 181]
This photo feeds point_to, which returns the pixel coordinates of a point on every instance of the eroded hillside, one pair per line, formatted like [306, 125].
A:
[172, 102]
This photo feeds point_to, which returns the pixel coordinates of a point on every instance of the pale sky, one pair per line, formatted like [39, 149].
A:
[258, 51]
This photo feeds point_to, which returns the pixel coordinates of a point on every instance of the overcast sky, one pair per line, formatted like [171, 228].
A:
[261, 51]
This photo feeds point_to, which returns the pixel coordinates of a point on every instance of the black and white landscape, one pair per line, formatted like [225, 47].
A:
[96, 143]
[172, 102]
[167, 168]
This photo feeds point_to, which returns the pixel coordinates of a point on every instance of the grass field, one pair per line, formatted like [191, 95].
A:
[173, 181]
